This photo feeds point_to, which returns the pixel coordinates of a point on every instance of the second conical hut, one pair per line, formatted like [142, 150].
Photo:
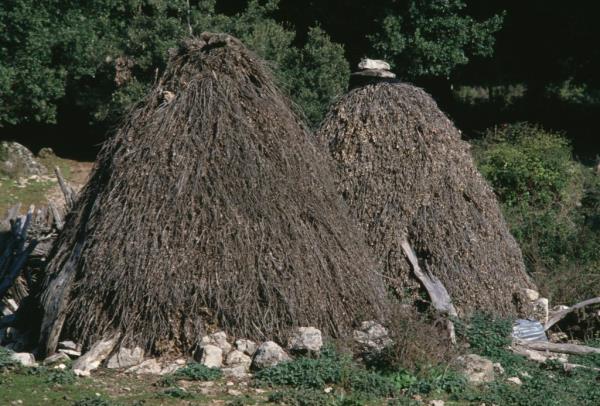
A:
[407, 174]
[211, 206]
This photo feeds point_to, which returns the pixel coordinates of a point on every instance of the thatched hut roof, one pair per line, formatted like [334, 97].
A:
[212, 205]
[406, 172]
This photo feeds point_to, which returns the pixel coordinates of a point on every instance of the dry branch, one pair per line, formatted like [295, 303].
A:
[14, 251]
[440, 298]
[67, 190]
[558, 316]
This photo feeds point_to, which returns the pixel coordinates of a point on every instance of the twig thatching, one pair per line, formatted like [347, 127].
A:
[212, 205]
[406, 171]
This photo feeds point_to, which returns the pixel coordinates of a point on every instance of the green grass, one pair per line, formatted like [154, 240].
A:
[34, 193]
[304, 381]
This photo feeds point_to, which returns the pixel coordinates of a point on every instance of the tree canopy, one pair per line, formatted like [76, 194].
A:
[102, 55]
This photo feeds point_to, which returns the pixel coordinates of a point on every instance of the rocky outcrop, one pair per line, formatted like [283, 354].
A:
[17, 161]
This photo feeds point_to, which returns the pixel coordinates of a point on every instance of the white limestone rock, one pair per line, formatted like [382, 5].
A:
[149, 367]
[372, 337]
[305, 339]
[218, 339]
[212, 356]
[477, 369]
[268, 355]
[248, 347]
[57, 358]
[367, 63]
[24, 358]
[531, 295]
[125, 358]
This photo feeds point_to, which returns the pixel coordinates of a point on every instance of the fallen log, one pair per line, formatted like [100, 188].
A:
[558, 316]
[440, 298]
[573, 349]
[569, 367]
[67, 190]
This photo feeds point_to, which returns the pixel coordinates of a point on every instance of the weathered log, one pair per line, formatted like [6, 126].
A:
[440, 298]
[558, 316]
[67, 190]
[573, 349]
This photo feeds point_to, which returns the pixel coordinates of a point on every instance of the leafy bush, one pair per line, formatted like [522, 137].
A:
[61, 377]
[333, 369]
[551, 204]
[487, 335]
[329, 368]
[198, 372]
[434, 37]
[102, 56]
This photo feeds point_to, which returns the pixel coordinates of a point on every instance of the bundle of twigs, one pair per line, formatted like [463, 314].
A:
[409, 177]
[212, 205]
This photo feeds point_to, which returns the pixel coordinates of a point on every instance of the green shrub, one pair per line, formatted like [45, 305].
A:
[198, 372]
[329, 368]
[551, 203]
[486, 335]
[100, 57]
[61, 377]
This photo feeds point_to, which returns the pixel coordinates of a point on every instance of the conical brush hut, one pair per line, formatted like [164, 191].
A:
[211, 206]
[407, 174]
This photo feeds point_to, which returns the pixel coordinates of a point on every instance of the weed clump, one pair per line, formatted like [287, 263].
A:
[192, 372]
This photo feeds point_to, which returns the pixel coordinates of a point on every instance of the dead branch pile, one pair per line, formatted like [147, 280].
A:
[407, 174]
[212, 205]
[25, 241]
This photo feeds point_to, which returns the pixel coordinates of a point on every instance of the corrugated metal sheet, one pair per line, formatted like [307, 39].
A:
[529, 330]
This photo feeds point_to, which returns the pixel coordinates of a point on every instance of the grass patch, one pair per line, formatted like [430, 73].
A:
[304, 375]
[191, 372]
[34, 192]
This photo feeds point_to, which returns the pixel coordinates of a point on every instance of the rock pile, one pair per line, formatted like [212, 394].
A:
[236, 359]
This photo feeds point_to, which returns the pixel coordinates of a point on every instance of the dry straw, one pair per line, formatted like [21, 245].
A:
[211, 206]
[406, 172]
